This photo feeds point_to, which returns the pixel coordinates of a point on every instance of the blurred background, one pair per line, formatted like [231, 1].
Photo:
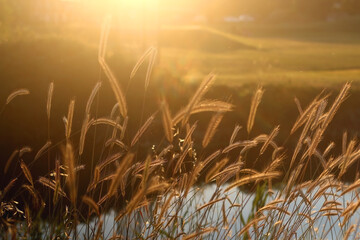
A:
[295, 48]
[243, 40]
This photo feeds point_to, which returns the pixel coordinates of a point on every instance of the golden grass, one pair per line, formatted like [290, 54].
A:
[150, 67]
[119, 173]
[147, 53]
[157, 196]
[42, 150]
[8, 187]
[204, 106]
[92, 204]
[49, 99]
[69, 162]
[120, 97]
[203, 88]
[143, 128]
[234, 134]
[16, 93]
[167, 121]
[213, 125]
[272, 135]
[252, 178]
[92, 96]
[69, 119]
[50, 184]
[10, 159]
[23, 150]
[26, 172]
[254, 106]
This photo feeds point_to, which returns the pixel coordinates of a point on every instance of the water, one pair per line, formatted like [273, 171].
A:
[238, 204]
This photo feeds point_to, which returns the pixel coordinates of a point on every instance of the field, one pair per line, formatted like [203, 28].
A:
[316, 55]
[248, 132]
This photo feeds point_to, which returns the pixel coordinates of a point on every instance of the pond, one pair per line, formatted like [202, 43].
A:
[237, 207]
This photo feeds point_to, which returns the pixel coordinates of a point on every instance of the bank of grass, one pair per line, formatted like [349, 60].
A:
[319, 54]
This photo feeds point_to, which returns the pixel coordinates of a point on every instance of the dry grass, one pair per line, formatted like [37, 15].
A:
[16, 93]
[254, 106]
[163, 196]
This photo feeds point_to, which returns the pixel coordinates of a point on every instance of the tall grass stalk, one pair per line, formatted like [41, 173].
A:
[171, 191]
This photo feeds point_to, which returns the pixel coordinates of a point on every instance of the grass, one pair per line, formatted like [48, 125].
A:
[278, 56]
[161, 196]
[110, 178]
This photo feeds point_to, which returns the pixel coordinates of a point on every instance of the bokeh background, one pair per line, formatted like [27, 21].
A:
[294, 48]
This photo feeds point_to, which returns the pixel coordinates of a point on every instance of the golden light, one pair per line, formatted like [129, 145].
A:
[126, 13]
[125, 5]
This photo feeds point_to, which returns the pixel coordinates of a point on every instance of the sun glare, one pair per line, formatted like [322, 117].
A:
[138, 3]
[126, 5]
[127, 12]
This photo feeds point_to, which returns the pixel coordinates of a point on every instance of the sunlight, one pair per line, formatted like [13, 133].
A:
[179, 119]
[126, 5]
[138, 3]
[128, 13]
